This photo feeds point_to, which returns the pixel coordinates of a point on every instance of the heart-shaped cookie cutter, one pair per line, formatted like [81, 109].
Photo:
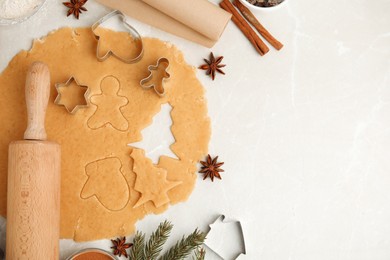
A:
[133, 32]
[165, 77]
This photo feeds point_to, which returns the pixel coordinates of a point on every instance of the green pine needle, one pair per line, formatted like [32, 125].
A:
[152, 249]
[137, 250]
[200, 254]
[157, 240]
[185, 246]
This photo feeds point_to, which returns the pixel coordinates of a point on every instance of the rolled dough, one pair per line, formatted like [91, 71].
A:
[98, 179]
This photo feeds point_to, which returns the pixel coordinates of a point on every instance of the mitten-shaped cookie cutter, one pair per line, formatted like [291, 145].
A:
[133, 32]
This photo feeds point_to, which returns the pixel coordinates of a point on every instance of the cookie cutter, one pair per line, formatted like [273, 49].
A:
[166, 77]
[133, 32]
[57, 101]
[226, 238]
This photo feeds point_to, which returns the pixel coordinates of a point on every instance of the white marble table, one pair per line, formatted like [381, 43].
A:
[304, 132]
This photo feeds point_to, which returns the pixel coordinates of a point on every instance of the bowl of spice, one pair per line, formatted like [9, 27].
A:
[92, 254]
[16, 11]
[263, 5]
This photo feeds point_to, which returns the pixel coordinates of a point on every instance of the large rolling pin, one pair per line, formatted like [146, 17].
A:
[33, 203]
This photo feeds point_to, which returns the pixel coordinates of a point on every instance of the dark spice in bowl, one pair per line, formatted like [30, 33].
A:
[265, 3]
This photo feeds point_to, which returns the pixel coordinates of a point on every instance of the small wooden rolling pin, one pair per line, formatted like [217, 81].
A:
[33, 196]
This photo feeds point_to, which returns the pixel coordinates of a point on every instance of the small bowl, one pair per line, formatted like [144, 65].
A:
[15, 20]
[263, 9]
[103, 253]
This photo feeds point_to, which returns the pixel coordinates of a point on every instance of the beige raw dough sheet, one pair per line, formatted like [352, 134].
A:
[107, 186]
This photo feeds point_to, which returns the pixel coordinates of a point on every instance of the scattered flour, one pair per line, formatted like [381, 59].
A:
[13, 9]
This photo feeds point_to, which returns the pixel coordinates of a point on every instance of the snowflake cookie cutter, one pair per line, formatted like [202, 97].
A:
[57, 101]
[133, 32]
[159, 89]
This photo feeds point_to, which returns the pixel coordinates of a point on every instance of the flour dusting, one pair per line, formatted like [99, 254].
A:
[13, 9]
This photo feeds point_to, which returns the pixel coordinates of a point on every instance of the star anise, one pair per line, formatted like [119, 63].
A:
[211, 168]
[213, 65]
[75, 7]
[120, 246]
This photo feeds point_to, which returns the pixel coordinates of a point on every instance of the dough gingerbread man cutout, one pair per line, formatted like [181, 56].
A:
[108, 106]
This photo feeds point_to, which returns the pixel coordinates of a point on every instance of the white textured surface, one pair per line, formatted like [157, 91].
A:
[304, 132]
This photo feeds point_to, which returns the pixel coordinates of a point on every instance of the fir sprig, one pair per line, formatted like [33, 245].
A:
[157, 240]
[200, 254]
[152, 249]
[185, 246]
[137, 250]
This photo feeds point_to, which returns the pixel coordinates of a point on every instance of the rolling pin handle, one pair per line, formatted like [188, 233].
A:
[34, 180]
[37, 98]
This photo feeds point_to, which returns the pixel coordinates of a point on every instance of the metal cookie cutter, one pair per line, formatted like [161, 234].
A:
[159, 89]
[133, 32]
[57, 101]
[226, 238]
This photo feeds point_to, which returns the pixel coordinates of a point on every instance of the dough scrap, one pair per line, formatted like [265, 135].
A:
[86, 211]
[151, 181]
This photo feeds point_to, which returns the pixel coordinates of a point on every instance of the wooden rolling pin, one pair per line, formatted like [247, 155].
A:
[33, 196]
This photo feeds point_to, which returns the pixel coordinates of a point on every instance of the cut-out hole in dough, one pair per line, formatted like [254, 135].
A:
[157, 137]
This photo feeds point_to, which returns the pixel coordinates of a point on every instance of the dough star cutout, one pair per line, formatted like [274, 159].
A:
[151, 181]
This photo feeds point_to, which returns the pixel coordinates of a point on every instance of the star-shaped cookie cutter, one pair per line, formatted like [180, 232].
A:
[133, 32]
[57, 101]
[165, 77]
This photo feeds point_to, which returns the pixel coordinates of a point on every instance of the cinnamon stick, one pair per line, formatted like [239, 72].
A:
[259, 27]
[245, 28]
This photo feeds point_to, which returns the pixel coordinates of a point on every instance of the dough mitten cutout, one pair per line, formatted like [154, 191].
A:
[107, 183]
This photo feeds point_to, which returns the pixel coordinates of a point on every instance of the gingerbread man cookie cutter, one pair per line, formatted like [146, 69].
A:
[57, 101]
[166, 76]
[133, 32]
